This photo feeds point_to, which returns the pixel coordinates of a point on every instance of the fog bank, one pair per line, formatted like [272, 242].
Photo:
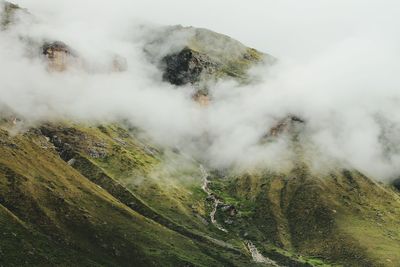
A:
[338, 70]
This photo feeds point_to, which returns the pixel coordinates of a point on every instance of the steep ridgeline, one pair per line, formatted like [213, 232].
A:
[208, 55]
[74, 194]
[200, 57]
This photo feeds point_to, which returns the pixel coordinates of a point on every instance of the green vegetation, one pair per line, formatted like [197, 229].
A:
[209, 56]
[76, 194]
[70, 220]
[98, 195]
[343, 218]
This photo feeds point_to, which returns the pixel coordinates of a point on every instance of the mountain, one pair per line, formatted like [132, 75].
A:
[105, 194]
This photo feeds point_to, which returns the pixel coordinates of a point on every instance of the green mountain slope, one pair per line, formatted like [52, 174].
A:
[106, 197]
[91, 194]
[42, 195]
[344, 217]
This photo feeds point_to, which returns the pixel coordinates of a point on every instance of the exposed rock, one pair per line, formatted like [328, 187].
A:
[71, 161]
[202, 97]
[50, 49]
[187, 66]
[64, 149]
[97, 153]
[59, 55]
[205, 57]
[396, 183]
[199, 57]
[287, 124]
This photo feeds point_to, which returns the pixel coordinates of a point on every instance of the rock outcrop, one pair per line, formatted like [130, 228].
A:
[188, 66]
[202, 57]
[59, 55]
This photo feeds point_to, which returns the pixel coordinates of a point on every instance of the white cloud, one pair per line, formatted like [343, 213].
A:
[339, 65]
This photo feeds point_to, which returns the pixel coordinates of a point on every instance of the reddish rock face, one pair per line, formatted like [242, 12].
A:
[202, 98]
[58, 55]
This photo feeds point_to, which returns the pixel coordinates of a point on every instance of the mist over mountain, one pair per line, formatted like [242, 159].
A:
[281, 149]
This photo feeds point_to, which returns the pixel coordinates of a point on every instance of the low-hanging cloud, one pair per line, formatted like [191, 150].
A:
[344, 86]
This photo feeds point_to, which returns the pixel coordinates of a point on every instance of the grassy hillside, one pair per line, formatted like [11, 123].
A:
[340, 218]
[107, 198]
[64, 217]
[99, 195]
[86, 194]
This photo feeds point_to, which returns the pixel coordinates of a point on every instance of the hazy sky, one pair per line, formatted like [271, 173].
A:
[294, 29]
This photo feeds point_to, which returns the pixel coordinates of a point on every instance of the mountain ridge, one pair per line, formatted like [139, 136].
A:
[104, 194]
